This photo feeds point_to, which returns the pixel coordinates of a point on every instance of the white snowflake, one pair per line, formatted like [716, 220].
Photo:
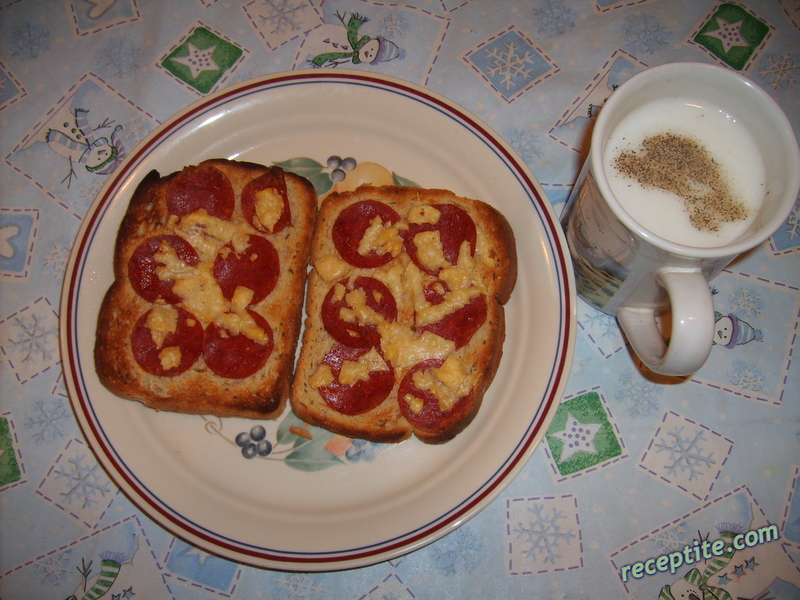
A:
[509, 65]
[543, 534]
[84, 482]
[746, 302]
[34, 337]
[54, 569]
[118, 57]
[686, 453]
[394, 26]
[746, 377]
[47, 419]
[281, 15]
[55, 260]
[780, 71]
[670, 539]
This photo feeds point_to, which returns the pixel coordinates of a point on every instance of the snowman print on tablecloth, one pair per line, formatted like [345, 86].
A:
[84, 146]
[334, 44]
[731, 331]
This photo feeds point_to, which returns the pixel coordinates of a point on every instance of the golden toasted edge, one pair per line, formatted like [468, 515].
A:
[495, 226]
[204, 393]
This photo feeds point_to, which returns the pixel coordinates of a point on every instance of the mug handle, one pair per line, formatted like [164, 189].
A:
[692, 325]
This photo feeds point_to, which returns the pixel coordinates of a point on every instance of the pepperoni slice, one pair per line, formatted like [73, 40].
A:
[198, 187]
[187, 337]
[431, 416]
[355, 334]
[362, 395]
[236, 356]
[143, 264]
[257, 268]
[349, 228]
[272, 179]
[461, 324]
[455, 226]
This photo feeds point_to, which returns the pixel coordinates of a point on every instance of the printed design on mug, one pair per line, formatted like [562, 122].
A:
[732, 35]
[583, 437]
[202, 60]
[747, 334]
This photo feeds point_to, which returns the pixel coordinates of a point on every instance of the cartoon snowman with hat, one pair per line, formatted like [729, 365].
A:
[331, 44]
[731, 331]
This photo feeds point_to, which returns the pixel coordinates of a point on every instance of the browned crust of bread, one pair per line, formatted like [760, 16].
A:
[199, 390]
[385, 423]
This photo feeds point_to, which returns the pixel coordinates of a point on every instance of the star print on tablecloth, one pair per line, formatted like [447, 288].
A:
[577, 437]
[198, 60]
[730, 34]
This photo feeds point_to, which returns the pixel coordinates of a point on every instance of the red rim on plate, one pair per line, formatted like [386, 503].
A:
[90, 401]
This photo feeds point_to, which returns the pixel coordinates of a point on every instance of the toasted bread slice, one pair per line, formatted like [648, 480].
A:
[405, 322]
[210, 329]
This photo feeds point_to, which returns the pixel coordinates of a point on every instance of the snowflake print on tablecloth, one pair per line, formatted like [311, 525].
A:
[639, 397]
[747, 302]
[55, 569]
[29, 41]
[299, 586]
[601, 330]
[686, 455]
[644, 34]
[543, 535]
[527, 144]
[787, 238]
[278, 21]
[29, 340]
[47, 419]
[54, 260]
[118, 56]
[553, 18]
[76, 484]
[510, 63]
[670, 539]
[746, 376]
[780, 71]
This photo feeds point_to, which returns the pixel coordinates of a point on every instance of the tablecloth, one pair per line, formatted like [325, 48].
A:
[674, 465]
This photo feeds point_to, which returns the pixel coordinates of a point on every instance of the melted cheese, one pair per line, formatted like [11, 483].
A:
[269, 207]
[381, 239]
[482, 249]
[424, 215]
[170, 357]
[368, 362]
[208, 234]
[242, 297]
[201, 295]
[447, 384]
[330, 267]
[322, 376]
[403, 348]
[415, 404]
[430, 251]
[242, 323]
[161, 321]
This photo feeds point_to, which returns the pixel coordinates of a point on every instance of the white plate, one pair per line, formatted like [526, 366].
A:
[186, 473]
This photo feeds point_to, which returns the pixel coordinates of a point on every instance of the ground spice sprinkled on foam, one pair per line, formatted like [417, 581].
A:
[681, 165]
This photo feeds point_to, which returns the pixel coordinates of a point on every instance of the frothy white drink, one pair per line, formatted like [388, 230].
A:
[690, 174]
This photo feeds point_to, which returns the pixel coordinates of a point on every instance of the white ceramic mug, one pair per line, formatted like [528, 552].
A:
[626, 270]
